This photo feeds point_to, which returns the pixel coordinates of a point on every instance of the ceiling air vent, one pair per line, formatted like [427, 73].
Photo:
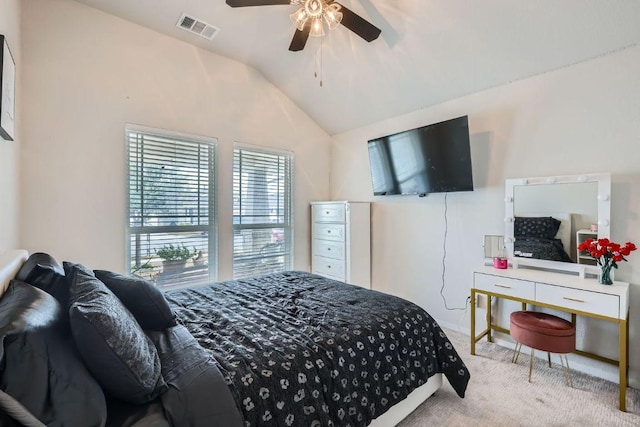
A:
[197, 27]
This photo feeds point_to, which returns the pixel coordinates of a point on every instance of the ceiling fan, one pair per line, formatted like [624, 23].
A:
[308, 19]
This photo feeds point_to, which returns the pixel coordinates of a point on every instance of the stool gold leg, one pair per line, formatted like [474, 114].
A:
[566, 358]
[531, 363]
[516, 353]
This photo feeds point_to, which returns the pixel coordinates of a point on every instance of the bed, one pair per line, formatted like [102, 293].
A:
[285, 349]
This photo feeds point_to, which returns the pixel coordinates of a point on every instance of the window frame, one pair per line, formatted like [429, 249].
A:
[288, 204]
[213, 194]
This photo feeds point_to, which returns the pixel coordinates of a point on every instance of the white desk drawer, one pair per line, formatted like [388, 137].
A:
[577, 299]
[329, 267]
[329, 213]
[334, 232]
[505, 286]
[328, 249]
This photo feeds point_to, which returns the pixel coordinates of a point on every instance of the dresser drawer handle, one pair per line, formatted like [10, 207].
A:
[329, 249]
[574, 299]
[328, 212]
[328, 231]
[502, 286]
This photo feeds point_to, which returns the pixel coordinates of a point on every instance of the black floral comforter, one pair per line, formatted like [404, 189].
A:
[301, 350]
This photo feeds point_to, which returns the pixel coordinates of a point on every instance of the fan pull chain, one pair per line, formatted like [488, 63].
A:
[321, 44]
[318, 54]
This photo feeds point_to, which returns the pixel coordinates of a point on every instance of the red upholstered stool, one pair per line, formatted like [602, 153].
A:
[546, 332]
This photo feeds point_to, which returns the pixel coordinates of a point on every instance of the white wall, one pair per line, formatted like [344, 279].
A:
[86, 74]
[580, 119]
[10, 150]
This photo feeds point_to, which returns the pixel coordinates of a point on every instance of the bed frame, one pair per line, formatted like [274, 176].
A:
[11, 261]
[402, 409]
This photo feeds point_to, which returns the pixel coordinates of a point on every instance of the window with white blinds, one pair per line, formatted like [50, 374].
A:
[172, 220]
[262, 220]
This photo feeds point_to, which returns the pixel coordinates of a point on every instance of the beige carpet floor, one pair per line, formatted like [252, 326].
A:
[500, 395]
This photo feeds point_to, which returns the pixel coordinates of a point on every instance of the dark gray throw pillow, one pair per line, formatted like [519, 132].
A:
[143, 299]
[45, 272]
[543, 227]
[112, 344]
[24, 307]
[41, 368]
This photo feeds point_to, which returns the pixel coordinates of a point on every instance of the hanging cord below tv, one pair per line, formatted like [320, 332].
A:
[444, 257]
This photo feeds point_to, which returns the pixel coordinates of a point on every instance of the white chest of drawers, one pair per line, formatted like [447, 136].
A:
[341, 242]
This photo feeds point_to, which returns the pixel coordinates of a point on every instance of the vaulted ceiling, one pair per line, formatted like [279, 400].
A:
[430, 51]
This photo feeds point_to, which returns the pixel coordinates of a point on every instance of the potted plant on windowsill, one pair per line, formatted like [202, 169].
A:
[174, 257]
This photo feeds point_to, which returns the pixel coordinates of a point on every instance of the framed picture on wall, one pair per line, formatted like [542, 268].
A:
[7, 91]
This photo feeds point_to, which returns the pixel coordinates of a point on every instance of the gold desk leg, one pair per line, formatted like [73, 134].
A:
[489, 318]
[473, 322]
[623, 364]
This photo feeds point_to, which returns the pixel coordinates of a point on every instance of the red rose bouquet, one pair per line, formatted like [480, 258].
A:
[607, 254]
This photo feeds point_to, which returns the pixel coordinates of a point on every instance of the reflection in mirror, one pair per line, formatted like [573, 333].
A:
[547, 217]
[494, 247]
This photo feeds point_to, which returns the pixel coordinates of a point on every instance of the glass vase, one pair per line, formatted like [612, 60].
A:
[605, 274]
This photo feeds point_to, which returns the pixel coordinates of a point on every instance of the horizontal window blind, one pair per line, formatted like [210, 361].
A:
[171, 208]
[262, 224]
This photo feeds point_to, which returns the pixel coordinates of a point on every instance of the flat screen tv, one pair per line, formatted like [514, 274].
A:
[431, 159]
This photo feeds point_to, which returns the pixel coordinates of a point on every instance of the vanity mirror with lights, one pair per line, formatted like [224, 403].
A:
[545, 220]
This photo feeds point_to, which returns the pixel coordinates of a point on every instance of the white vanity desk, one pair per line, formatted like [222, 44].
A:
[568, 293]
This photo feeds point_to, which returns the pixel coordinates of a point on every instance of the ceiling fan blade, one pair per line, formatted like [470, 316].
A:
[245, 3]
[300, 38]
[358, 25]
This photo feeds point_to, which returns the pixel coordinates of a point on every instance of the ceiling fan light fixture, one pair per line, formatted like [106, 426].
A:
[314, 8]
[299, 18]
[315, 11]
[317, 29]
[332, 15]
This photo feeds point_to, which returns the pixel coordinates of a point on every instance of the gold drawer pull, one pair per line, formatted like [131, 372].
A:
[574, 299]
[502, 286]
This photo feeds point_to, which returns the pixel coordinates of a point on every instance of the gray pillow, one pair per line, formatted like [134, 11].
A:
[543, 227]
[45, 272]
[112, 344]
[143, 299]
[41, 368]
